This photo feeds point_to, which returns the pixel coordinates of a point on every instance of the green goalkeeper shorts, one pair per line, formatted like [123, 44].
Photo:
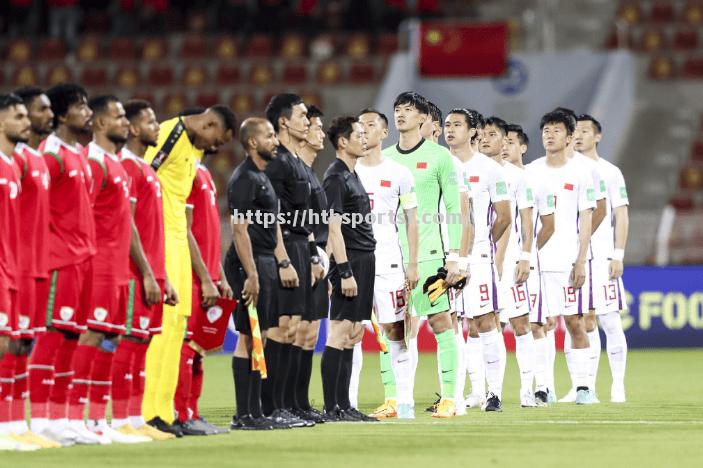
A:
[421, 301]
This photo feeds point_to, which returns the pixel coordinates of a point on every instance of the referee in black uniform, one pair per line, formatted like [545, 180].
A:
[250, 264]
[352, 267]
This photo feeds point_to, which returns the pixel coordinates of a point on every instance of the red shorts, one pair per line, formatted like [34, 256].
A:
[8, 311]
[31, 305]
[108, 311]
[143, 320]
[69, 297]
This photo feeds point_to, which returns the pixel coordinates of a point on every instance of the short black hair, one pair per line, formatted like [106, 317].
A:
[9, 100]
[468, 116]
[99, 104]
[371, 110]
[555, 117]
[435, 112]
[568, 112]
[28, 93]
[414, 99]
[63, 96]
[281, 105]
[191, 111]
[497, 122]
[227, 116]
[590, 118]
[314, 111]
[341, 127]
[133, 107]
[521, 135]
[478, 117]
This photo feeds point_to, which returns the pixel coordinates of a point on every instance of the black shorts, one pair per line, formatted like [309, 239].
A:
[358, 308]
[267, 305]
[320, 303]
[295, 301]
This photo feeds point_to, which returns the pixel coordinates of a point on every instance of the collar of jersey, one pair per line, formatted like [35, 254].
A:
[402, 151]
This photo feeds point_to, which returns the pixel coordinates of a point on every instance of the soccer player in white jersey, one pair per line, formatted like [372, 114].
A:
[608, 249]
[391, 186]
[563, 259]
[491, 209]
[542, 220]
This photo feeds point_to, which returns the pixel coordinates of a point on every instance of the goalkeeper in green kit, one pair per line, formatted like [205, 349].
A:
[435, 179]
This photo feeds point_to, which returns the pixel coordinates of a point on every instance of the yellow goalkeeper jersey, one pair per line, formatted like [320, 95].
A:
[175, 160]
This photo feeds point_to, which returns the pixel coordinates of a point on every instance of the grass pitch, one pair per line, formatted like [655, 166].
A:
[660, 425]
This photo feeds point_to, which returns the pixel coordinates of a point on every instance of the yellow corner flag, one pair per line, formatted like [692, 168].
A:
[377, 330]
[257, 349]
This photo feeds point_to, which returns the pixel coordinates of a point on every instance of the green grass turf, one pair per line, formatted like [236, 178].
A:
[660, 425]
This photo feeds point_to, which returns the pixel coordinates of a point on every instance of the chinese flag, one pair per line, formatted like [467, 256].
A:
[455, 49]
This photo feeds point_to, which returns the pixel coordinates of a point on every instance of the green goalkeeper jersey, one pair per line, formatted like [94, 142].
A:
[435, 179]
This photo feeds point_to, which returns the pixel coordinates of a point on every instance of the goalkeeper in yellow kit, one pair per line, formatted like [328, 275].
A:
[175, 158]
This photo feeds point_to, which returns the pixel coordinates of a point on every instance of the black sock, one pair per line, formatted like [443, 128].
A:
[282, 374]
[242, 384]
[345, 379]
[293, 376]
[330, 367]
[255, 394]
[272, 352]
[304, 375]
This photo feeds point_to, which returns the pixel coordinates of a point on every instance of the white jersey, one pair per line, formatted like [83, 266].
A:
[521, 197]
[543, 206]
[573, 191]
[389, 186]
[603, 240]
[463, 188]
[487, 185]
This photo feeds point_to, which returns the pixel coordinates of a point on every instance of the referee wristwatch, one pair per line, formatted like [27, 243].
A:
[285, 263]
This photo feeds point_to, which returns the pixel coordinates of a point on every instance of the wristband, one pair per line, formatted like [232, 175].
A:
[463, 263]
[619, 254]
[452, 257]
[345, 270]
[312, 249]
[526, 256]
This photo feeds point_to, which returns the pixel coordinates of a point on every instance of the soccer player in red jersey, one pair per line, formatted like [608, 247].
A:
[71, 244]
[148, 279]
[105, 321]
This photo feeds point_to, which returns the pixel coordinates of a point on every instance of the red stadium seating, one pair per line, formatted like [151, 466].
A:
[259, 45]
[127, 77]
[653, 40]
[160, 75]
[193, 47]
[293, 46]
[358, 46]
[686, 39]
[682, 202]
[242, 104]
[226, 48]
[94, 77]
[25, 75]
[58, 74]
[228, 75]
[295, 73]
[387, 44]
[691, 178]
[662, 68]
[362, 72]
[207, 99]
[194, 76]
[616, 40]
[630, 12]
[693, 67]
[51, 49]
[311, 98]
[692, 13]
[154, 49]
[122, 49]
[19, 50]
[261, 74]
[329, 73]
[88, 49]
[661, 12]
[172, 104]
[697, 150]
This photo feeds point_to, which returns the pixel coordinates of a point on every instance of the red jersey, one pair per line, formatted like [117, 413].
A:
[9, 220]
[34, 210]
[206, 220]
[110, 195]
[71, 224]
[148, 212]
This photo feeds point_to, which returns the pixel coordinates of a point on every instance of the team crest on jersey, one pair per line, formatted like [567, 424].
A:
[100, 314]
[23, 322]
[143, 322]
[66, 313]
[4, 319]
[214, 313]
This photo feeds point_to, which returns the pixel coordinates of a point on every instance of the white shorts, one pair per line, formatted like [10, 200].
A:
[559, 296]
[514, 298]
[389, 297]
[607, 295]
[538, 309]
[480, 296]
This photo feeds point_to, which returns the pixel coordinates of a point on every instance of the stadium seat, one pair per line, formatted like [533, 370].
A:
[691, 178]
[652, 40]
[19, 50]
[172, 104]
[682, 202]
[51, 49]
[160, 75]
[226, 48]
[295, 73]
[697, 150]
[311, 98]
[358, 46]
[662, 68]
[259, 45]
[293, 46]
[25, 75]
[228, 75]
[94, 76]
[693, 67]
[193, 47]
[144, 96]
[127, 77]
[194, 75]
[329, 73]
[154, 49]
[630, 12]
[58, 74]
[362, 72]
[261, 74]
[387, 44]
[207, 99]
[686, 39]
[122, 49]
[88, 49]
[661, 11]
[619, 39]
[692, 13]
[242, 104]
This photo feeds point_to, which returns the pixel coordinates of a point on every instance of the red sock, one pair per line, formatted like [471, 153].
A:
[78, 397]
[122, 378]
[196, 387]
[7, 378]
[185, 379]
[63, 375]
[100, 383]
[137, 394]
[19, 390]
[41, 372]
